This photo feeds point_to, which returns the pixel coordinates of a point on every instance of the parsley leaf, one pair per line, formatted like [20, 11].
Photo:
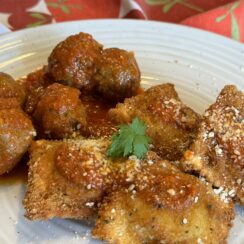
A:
[130, 140]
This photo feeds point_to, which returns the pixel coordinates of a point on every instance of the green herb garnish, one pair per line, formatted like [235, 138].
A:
[130, 140]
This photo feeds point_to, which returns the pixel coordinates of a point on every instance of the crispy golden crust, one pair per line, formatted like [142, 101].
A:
[49, 194]
[171, 125]
[71, 176]
[194, 213]
[218, 151]
[68, 178]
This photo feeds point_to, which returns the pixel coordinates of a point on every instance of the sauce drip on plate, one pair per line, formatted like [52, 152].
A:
[16, 176]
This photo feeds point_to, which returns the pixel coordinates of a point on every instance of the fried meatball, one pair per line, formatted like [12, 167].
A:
[16, 134]
[59, 112]
[118, 75]
[8, 103]
[9, 88]
[73, 61]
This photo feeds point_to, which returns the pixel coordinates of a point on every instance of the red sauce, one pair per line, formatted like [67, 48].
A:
[17, 176]
[97, 108]
[82, 167]
[98, 121]
[171, 190]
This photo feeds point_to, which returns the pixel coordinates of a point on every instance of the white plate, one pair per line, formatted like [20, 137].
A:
[197, 62]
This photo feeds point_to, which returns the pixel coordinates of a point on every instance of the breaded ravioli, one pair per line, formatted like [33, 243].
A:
[68, 178]
[164, 205]
[51, 193]
[171, 124]
[218, 151]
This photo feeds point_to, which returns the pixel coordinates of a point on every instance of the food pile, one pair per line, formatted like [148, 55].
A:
[146, 166]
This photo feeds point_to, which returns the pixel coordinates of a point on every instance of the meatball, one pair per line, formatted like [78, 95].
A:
[73, 61]
[35, 84]
[118, 75]
[16, 134]
[8, 103]
[9, 88]
[59, 112]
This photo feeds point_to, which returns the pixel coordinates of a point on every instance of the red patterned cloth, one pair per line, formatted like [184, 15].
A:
[225, 17]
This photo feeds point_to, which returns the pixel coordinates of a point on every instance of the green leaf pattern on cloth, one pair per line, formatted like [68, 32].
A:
[63, 5]
[169, 4]
[235, 32]
[234, 28]
[40, 20]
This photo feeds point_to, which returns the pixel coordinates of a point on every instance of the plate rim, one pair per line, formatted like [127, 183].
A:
[129, 21]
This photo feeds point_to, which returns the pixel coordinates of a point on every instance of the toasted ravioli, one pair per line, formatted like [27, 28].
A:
[164, 205]
[171, 124]
[51, 192]
[218, 151]
[68, 178]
